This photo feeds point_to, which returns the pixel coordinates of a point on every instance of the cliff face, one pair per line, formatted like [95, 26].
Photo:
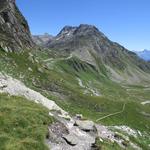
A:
[14, 30]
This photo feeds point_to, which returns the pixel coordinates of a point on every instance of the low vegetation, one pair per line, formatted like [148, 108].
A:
[23, 124]
[57, 79]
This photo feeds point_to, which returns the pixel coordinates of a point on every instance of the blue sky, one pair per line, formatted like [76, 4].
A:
[124, 21]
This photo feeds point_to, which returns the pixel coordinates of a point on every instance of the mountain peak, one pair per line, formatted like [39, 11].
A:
[85, 29]
[67, 30]
[87, 26]
[81, 30]
[67, 27]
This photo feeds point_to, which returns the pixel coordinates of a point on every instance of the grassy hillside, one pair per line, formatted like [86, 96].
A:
[23, 124]
[79, 87]
[112, 98]
[113, 95]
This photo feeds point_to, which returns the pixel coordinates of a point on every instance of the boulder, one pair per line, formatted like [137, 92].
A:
[79, 116]
[71, 139]
[85, 125]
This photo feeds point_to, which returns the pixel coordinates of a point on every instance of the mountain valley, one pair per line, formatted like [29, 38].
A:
[77, 90]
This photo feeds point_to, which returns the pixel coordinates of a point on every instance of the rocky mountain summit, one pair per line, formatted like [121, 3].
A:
[71, 35]
[14, 30]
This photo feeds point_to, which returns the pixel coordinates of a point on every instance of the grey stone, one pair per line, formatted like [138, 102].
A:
[85, 125]
[71, 139]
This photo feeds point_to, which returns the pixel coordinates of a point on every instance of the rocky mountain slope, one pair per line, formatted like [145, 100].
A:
[71, 86]
[90, 45]
[42, 40]
[14, 30]
[145, 54]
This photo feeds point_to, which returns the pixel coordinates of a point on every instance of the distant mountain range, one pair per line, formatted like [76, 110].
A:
[42, 40]
[145, 54]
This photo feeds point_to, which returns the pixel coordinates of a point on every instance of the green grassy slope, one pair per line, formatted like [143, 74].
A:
[58, 80]
[23, 124]
[113, 97]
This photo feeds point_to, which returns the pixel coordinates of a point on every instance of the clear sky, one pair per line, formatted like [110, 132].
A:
[124, 21]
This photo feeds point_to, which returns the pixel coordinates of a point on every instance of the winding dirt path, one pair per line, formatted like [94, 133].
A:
[116, 113]
[57, 59]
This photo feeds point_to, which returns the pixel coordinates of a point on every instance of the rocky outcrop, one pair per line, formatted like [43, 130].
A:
[73, 139]
[85, 125]
[14, 30]
[67, 135]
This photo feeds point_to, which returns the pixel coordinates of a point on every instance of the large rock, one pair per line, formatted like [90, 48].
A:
[71, 139]
[14, 30]
[85, 125]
